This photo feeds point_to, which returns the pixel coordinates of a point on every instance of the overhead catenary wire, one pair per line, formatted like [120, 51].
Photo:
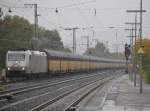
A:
[59, 7]
[55, 25]
[82, 15]
[70, 5]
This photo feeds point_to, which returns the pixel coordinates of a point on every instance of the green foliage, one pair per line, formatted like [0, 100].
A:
[146, 73]
[146, 62]
[17, 33]
[101, 51]
[145, 58]
[49, 39]
[146, 44]
[67, 50]
[146, 68]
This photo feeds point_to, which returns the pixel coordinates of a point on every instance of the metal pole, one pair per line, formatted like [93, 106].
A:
[132, 45]
[132, 58]
[132, 38]
[135, 55]
[36, 23]
[88, 42]
[117, 44]
[74, 40]
[127, 66]
[141, 77]
[140, 11]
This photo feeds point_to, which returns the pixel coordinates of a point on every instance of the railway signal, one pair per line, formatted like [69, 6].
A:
[127, 54]
[9, 10]
[127, 51]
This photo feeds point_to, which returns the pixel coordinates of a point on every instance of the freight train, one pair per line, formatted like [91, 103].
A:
[29, 64]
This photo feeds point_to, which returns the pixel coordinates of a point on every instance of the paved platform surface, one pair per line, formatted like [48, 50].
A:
[119, 95]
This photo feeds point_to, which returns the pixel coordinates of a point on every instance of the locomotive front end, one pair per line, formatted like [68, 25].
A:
[16, 63]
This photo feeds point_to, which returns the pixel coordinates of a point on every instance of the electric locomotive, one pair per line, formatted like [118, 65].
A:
[28, 63]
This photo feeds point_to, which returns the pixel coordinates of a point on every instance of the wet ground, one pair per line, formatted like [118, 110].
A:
[119, 95]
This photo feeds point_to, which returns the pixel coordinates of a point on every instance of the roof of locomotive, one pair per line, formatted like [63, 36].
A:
[27, 52]
[18, 52]
[65, 55]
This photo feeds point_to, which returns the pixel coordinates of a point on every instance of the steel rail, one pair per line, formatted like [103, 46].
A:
[9, 94]
[47, 103]
[72, 106]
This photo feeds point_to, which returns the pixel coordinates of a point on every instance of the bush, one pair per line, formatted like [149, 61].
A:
[146, 73]
[2, 65]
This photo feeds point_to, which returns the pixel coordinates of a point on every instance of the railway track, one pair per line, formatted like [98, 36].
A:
[33, 97]
[5, 94]
[73, 105]
[68, 101]
[11, 87]
[26, 99]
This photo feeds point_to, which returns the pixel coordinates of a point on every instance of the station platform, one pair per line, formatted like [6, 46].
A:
[118, 95]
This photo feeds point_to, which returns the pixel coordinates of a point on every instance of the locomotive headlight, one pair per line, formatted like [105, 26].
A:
[23, 68]
[8, 68]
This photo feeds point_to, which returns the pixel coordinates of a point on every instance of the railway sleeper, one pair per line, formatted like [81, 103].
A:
[8, 97]
[71, 109]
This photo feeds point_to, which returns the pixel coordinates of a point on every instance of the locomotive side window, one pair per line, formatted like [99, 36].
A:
[16, 57]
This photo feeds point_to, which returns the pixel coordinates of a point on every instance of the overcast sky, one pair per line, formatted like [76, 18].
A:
[81, 14]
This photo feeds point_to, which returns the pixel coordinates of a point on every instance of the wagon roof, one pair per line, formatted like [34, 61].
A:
[60, 54]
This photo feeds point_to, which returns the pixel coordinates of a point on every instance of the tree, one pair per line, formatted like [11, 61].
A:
[17, 33]
[145, 58]
[146, 49]
[146, 44]
[99, 50]
[67, 50]
[49, 39]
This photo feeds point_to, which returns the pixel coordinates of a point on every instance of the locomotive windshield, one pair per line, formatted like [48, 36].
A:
[16, 57]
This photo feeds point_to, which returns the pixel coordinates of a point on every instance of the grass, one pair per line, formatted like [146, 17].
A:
[1, 88]
[1, 67]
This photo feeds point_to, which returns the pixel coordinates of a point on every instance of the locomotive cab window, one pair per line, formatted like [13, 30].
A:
[16, 57]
